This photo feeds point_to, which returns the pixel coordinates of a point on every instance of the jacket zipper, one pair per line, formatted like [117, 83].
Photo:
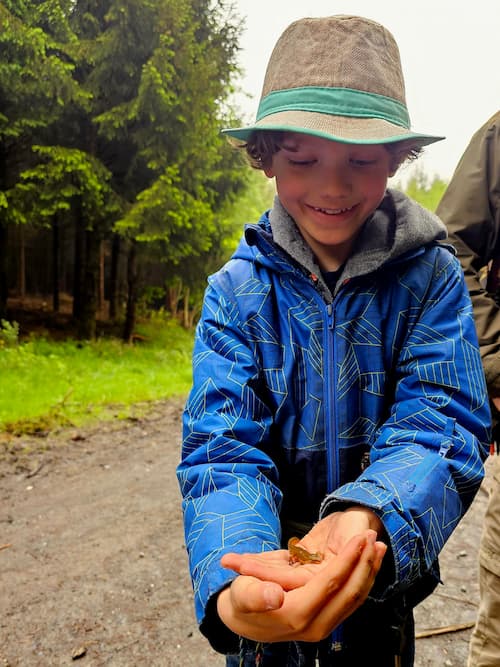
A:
[331, 391]
[337, 635]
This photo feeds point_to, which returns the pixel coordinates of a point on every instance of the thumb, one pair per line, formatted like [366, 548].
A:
[250, 595]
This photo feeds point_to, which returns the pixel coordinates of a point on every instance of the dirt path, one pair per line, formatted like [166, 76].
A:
[92, 563]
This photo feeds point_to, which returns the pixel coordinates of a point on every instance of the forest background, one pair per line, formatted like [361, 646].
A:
[118, 196]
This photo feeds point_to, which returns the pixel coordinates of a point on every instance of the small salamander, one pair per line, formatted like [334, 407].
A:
[301, 555]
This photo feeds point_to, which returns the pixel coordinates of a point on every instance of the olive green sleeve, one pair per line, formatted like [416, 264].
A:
[470, 208]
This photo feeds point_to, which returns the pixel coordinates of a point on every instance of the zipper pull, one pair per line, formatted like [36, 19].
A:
[329, 311]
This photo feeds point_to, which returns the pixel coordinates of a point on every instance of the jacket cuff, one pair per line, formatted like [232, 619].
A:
[396, 573]
[221, 638]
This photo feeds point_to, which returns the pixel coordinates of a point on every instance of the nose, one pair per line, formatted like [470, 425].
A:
[336, 181]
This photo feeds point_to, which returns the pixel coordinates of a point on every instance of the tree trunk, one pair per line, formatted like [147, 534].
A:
[56, 245]
[101, 300]
[113, 278]
[132, 282]
[4, 291]
[79, 263]
[89, 297]
[174, 292]
[193, 314]
[21, 275]
[186, 308]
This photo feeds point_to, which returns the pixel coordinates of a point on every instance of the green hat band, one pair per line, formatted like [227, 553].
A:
[335, 102]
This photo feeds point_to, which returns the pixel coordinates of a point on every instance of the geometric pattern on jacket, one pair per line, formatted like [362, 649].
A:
[291, 394]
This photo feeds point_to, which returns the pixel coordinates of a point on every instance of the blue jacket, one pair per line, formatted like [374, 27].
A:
[305, 401]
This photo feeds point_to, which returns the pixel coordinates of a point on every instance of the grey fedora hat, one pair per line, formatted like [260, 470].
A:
[337, 77]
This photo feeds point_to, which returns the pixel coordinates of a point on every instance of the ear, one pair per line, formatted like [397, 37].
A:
[402, 152]
[396, 161]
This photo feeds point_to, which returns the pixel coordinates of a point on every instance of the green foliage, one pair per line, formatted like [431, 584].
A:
[426, 192]
[61, 175]
[111, 122]
[35, 81]
[9, 334]
[44, 382]
[255, 200]
[166, 211]
[163, 119]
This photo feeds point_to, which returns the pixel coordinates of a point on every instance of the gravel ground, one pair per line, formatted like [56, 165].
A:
[92, 561]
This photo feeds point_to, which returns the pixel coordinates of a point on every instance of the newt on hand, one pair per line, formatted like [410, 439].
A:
[300, 555]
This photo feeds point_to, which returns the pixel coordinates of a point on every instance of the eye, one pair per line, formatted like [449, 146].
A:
[296, 157]
[357, 162]
[301, 163]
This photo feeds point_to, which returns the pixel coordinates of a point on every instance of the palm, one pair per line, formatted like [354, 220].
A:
[275, 566]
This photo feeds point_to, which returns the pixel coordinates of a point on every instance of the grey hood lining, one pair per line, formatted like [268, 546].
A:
[398, 226]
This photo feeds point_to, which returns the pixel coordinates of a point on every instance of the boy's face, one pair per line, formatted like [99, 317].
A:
[329, 189]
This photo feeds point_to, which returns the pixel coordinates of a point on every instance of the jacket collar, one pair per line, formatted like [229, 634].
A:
[397, 230]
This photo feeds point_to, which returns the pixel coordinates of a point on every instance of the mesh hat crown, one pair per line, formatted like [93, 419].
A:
[337, 77]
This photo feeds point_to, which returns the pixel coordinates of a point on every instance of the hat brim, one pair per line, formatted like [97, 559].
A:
[344, 129]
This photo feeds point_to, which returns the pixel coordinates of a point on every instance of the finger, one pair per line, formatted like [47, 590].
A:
[381, 549]
[334, 575]
[235, 561]
[249, 608]
[249, 595]
[301, 616]
[360, 583]
[275, 569]
[351, 595]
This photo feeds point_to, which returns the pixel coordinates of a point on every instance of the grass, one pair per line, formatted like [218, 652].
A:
[46, 383]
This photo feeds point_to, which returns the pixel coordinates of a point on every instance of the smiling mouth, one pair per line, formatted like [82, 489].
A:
[332, 211]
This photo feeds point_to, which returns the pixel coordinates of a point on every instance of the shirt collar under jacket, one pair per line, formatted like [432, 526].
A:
[399, 226]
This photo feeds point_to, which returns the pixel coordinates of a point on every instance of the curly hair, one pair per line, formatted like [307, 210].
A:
[263, 144]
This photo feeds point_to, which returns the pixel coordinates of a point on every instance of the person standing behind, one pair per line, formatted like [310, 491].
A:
[470, 208]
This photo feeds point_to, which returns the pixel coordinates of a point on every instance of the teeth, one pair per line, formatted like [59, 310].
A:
[332, 211]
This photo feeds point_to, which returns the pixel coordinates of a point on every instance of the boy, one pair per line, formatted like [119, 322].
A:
[336, 377]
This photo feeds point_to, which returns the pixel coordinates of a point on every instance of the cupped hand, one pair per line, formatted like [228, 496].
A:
[334, 531]
[312, 600]
[328, 537]
[272, 566]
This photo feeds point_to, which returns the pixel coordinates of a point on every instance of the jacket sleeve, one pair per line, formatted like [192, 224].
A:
[231, 498]
[470, 208]
[426, 458]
